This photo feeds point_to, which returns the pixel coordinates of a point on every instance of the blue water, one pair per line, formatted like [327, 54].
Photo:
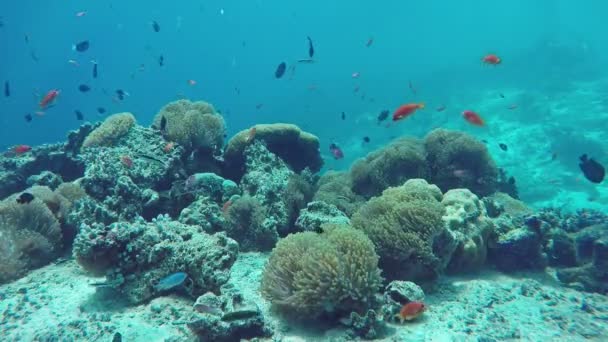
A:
[230, 45]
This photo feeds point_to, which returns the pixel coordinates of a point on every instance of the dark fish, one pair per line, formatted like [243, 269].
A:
[280, 70]
[95, 70]
[484, 141]
[27, 39]
[33, 56]
[311, 48]
[163, 124]
[501, 95]
[101, 110]
[117, 337]
[7, 89]
[25, 198]
[82, 46]
[79, 115]
[84, 88]
[343, 116]
[307, 61]
[503, 147]
[121, 94]
[593, 171]
[383, 115]
[366, 139]
[1, 22]
[28, 117]
[161, 60]
[155, 26]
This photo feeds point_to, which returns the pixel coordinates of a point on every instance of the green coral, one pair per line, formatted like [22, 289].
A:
[30, 236]
[392, 165]
[335, 188]
[458, 160]
[111, 130]
[310, 274]
[245, 223]
[192, 124]
[402, 223]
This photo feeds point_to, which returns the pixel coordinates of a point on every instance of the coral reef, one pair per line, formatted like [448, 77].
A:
[193, 125]
[245, 222]
[467, 223]
[228, 317]
[333, 273]
[134, 255]
[110, 131]
[296, 148]
[318, 213]
[457, 160]
[336, 188]
[389, 166]
[402, 223]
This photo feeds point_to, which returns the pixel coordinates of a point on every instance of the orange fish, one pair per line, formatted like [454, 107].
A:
[20, 149]
[473, 118]
[251, 135]
[169, 147]
[410, 311]
[406, 110]
[49, 97]
[491, 59]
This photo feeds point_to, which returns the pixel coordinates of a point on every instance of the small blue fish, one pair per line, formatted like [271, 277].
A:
[171, 281]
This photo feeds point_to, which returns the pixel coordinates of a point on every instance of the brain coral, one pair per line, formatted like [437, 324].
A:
[457, 160]
[192, 124]
[295, 147]
[310, 274]
[392, 165]
[111, 130]
[402, 223]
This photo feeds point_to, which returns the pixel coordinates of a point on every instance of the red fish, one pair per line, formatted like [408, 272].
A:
[410, 311]
[336, 151]
[20, 149]
[48, 98]
[406, 110]
[473, 118]
[226, 206]
[491, 59]
[126, 161]
[169, 147]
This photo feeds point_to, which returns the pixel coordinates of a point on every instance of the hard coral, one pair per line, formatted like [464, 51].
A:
[295, 147]
[457, 160]
[245, 223]
[111, 130]
[335, 188]
[333, 273]
[402, 224]
[193, 125]
[134, 255]
[392, 165]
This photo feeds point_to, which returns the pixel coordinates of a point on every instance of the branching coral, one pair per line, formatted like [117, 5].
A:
[392, 165]
[457, 160]
[311, 274]
[402, 224]
[192, 125]
[111, 130]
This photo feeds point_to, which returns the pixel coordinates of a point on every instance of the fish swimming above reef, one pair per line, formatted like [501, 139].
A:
[406, 110]
[94, 70]
[311, 48]
[383, 115]
[25, 198]
[593, 171]
[280, 71]
[171, 282]
[83, 88]
[79, 115]
[101, 110]
[81, 46]
[503, 147]
[155, 26]
[336, 151]
[28, 117]
[7, 89]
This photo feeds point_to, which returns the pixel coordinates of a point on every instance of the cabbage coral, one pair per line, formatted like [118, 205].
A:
[111, 130]
[310, 274]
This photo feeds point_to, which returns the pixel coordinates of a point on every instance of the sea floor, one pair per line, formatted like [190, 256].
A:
[56, 303]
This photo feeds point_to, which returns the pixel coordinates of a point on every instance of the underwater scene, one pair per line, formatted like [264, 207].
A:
[221, 170]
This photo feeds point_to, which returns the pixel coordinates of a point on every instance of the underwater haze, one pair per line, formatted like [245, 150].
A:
[169, 160]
